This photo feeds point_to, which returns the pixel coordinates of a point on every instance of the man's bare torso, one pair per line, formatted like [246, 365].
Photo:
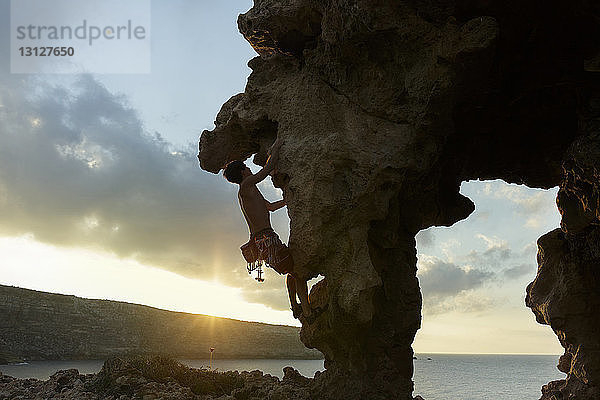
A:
[254, 208]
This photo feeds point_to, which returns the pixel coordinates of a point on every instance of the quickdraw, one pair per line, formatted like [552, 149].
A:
[256, 266]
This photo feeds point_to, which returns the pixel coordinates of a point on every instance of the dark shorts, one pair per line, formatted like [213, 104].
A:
[272, 252]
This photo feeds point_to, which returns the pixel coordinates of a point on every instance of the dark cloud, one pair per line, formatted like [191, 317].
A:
[449, 287]
[425, 238]
[452, 286]
[78, 169]
[440, 279]
[499, 253]
[518, 271]
[500, 258]
[493, 258]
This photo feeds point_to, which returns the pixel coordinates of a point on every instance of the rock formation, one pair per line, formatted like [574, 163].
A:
[44, 326]
[385, 107]
[566, 291]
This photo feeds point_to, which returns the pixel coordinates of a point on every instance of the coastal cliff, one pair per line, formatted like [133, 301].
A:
[566, 291]
[43, 326]
[385, 107]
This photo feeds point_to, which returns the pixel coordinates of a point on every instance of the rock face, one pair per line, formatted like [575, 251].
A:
[566, 291]
[385, 107]
[44, 326]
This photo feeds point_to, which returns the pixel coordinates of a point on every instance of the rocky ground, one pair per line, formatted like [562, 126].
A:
[157, 378]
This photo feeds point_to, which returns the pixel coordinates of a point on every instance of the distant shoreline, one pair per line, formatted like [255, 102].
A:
[491, 354]
[39, 326]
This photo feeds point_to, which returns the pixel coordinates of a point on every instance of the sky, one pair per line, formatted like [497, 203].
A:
[101, 197]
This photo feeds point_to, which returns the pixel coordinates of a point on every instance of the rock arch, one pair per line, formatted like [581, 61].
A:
[385, 107]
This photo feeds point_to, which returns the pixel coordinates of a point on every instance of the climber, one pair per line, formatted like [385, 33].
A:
[264, 245]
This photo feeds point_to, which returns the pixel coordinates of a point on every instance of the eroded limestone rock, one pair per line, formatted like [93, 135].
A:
[384, 108]
[566, 291]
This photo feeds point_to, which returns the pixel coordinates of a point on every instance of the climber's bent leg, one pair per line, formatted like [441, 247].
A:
[291, 287]
[302, 291]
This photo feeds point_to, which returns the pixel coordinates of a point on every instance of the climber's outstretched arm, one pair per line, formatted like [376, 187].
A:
[276, 205]
[269, 166]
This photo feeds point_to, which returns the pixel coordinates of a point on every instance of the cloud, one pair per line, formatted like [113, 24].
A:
[448, 287]
[270, 294]
[463, 302]
[496, 253]
[425, 238]
[525, 200]
[530, 250]
[518, 271]
[442, 279]
[445, 286]
[456, 286]
[483, 216]
[78, 169]
[492, 242]
[533, 222]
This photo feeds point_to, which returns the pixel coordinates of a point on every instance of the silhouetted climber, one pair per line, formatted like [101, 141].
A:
[264, 245]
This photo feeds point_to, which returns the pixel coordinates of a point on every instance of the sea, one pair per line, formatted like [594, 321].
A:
[437, 376]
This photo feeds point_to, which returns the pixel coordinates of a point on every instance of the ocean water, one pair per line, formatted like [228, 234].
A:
[437, 376]
[483, 377]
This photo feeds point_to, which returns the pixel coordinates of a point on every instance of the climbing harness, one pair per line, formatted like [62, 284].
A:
[265, 249]
[266, 252]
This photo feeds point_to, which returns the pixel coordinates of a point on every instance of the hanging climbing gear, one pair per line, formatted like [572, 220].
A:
[259, 272]
[250, 253]
[265, 248]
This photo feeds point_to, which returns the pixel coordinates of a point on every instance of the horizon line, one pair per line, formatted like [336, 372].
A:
[487, 354]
